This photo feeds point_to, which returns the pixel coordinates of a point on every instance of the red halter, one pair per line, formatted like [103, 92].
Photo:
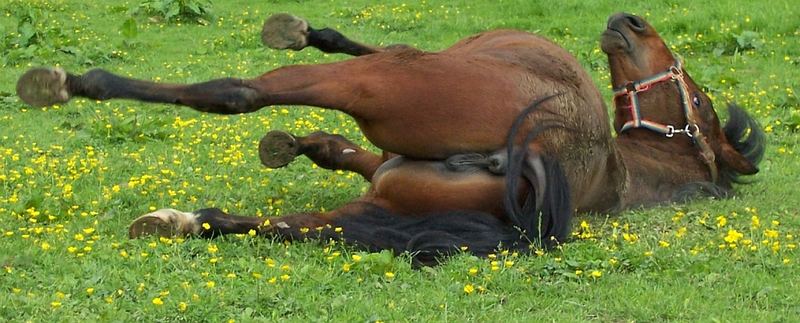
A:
[631, 90]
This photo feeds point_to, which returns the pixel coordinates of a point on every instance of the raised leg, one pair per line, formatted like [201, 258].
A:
[404, 101]
[285, 31]
[316, 85]
[334, 152]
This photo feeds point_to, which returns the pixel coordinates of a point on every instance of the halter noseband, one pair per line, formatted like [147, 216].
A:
[674, 73]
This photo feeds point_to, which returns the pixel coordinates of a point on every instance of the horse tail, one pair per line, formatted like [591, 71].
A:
[541, 222]
[426, 238]
[545, 214]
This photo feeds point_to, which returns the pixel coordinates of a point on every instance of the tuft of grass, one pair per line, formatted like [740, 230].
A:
[72, 177]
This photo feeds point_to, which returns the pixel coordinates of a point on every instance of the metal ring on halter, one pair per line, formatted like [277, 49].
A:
[676, 71]
[689, 132]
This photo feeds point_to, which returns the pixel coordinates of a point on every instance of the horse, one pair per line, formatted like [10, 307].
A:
[494, 142]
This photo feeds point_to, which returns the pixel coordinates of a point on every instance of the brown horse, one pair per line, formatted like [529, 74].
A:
[492, 142]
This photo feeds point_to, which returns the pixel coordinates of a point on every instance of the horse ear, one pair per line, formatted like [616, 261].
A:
[735, 160]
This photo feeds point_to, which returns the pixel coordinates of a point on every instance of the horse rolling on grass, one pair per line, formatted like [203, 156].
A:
[493, 142]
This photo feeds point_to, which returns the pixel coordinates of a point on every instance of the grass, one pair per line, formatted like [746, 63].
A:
[72, 177]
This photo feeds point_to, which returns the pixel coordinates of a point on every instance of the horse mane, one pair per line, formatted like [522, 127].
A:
[746, 136]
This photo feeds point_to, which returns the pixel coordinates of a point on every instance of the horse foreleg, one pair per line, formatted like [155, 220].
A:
[285, 31]
[213, 222]
[334, 152]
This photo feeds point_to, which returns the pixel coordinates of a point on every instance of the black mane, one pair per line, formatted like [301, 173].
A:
[747, 137]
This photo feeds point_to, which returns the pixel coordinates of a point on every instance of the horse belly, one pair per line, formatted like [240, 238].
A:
[420, 187]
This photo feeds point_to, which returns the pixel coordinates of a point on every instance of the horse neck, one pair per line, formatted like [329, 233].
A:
[657, 168]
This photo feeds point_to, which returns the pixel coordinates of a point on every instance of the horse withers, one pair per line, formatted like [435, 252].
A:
[493, 142]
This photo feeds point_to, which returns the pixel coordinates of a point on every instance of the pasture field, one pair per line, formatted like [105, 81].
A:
[72, 177]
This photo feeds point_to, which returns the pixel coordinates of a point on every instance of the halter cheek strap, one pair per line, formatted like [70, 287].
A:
[631, 90]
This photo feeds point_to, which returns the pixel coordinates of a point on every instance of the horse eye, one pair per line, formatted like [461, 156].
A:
[696, 100]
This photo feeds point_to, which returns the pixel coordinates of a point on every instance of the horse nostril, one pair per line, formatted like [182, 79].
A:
[635, 22]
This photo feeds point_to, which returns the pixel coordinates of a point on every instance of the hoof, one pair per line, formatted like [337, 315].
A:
[164, 223]
[151, 226]
[284, 31]
[277, 149]
[40, 87]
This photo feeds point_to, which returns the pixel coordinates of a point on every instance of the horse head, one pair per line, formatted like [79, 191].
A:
[654, 98]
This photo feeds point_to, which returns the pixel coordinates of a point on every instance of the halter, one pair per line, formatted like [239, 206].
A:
[674, 73]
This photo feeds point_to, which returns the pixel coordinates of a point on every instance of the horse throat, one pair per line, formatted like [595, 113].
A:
[657, 171]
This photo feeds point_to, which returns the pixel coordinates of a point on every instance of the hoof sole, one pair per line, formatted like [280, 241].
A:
[40, 87]
[284, 31]
[151, 226]
[277, 149]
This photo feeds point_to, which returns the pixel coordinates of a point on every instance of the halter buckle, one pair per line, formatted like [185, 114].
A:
[670, 131]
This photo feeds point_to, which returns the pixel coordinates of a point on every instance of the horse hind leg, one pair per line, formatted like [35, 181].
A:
[334, 152]
[285, 31]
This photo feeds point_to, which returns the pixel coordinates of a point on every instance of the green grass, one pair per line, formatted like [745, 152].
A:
[73, 177]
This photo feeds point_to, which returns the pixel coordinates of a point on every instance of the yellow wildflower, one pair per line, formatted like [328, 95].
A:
[721, 221]
[469, 289]
[733, 236]
[772, 234]
[755, 222]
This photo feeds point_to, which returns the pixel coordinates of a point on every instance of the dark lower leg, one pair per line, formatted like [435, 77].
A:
[214, 223]
[337, 153]
[284, 31]
[331, 41]
[328, 151]
[224, 96]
